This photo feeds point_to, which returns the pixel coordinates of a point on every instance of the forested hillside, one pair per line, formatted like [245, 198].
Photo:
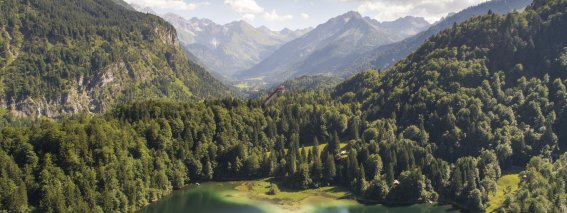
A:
[490, 74]
[310, 83]
[386, 56]
[59, 57]
[492, 84]
[441, 125]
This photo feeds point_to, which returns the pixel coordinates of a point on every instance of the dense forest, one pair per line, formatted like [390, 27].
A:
[308, 83]
[59, 57]
[477, 99]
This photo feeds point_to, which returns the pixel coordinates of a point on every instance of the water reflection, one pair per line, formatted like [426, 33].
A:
[204, 200]
[208, 199]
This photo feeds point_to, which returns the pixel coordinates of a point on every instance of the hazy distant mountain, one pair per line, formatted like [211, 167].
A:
[225, 49]
[123, 4]
[385, 56]
[331, 45]
[143, 9]
[407, 26]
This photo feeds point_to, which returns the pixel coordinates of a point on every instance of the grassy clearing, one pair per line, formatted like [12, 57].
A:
[256, 79]
[184, 87]
[294, 200]
[507, 184]
[242, 85]
[321, 148]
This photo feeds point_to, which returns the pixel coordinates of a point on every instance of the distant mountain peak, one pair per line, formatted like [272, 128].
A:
[408, 25]
[351, 14]
[173, 15]
[413, 18]
[347, 17]
[264, 28]
[330, 45]
[286, 30]
[239, 23]
[228, 48]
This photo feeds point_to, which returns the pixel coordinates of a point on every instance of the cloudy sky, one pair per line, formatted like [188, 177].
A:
[295, 14]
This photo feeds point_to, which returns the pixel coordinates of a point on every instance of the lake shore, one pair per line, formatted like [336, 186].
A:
[256, 196]
[287, 200]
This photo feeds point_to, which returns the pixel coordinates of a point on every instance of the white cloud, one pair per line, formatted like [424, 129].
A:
[384, 11]
[164, 4]
[305, 16]
[432, 10]
[244, 6]
[248, 17]
[273, 16]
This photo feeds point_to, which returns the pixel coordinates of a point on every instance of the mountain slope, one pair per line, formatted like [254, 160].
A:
[62, 57]
[511, 67]
[492, 87]
[124, 4]
[331, 44]
[228, 48]
[387, 55]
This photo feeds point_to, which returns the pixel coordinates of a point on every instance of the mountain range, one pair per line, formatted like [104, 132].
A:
[329, 45]
[341, 47]
[226, 49]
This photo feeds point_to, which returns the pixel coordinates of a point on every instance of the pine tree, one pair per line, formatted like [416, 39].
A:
[334, 144]
[329, 169]
[208, 170]
[292, 170]
[303, 157]
[316, 168]
[374, 166]
[252, 165]
[315, 147]
[304, 179]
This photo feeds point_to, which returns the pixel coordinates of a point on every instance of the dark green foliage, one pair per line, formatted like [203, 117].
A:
[542, 188]
[414, 187]
[452, 88]
[70, 56]
[309, 83]
[486, 94]
[329, 169]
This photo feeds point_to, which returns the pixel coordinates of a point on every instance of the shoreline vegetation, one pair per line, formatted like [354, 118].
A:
[292, 200]
[257, 193]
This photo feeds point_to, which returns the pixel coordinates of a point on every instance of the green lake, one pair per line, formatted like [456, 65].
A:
[222, 198]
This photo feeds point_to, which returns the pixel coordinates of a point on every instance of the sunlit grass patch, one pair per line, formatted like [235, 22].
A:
[506, 185]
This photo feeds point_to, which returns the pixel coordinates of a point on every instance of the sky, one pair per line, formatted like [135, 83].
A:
[299, 14]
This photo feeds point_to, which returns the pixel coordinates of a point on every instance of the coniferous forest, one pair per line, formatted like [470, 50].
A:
[475, 100]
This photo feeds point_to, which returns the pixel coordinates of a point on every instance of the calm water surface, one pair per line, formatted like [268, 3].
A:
[208, 198]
